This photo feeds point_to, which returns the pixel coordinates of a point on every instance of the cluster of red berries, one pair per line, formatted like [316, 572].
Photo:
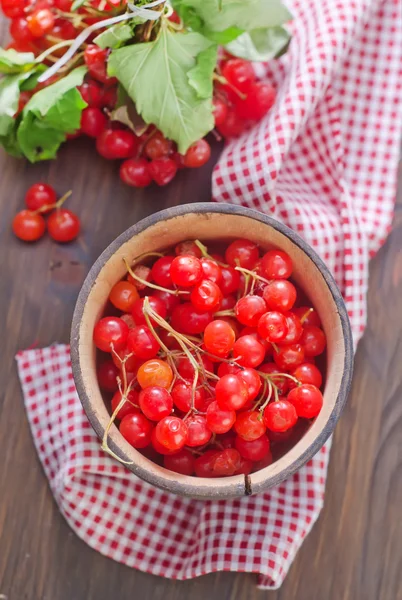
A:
[29, 224]
[212, 360]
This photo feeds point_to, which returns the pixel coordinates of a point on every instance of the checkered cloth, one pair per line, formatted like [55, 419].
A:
[324, 161]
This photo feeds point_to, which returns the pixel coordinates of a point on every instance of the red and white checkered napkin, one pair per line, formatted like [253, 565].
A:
[324, 161]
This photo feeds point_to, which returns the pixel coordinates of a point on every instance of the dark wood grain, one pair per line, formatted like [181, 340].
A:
[354, 551]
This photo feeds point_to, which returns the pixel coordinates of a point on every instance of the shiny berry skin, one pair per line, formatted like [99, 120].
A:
[162, 170]
[188, 319]
[242, 253]
[157, 146]
[181, 394]
[220, 111]
[254, 450]
[239, 73]
[186, 369]
[204, 464]
[156, 304]
[260, 98]
[155, 402]
[169, 300]
[160, 271]
[230, 280]
[127, 408]
[116, 143]
[232, 126]
[306, 373]
[95, 59]
[142, 342]
[249, 425]
[188, 247]
[198, 432]
[280, 416]
[218, 420]
[246, 467]
[93, 121]
[136, 429]
[211, 270]
[227, 462]
[197, 155]
[276, 264]
[314, 341]
[180, 462]
[252, 331]
[123, 295]
[249, 310]
[272, 326]
[143, 272]
[206, 295]
[63, 225]
[289, 357]
[307, 400]
[107, 374]
[252, 381]
[308, 316]
[132, 363]
[228, 302]
[158, 447]
[248, 351]
[28, 226]
[91, 92]
[282, 383]
[280, 295]
[40, 22]
[155, 372]
[135, 172]
[108, 331]
[231, 392]
[295, 329]
[40, 195]
[171, 432]
[19, 30]
[13, 8]
[219, 338]
[186, 270]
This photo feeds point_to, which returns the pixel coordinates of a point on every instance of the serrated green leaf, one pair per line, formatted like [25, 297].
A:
[194, 22]
[12, 61]
[260, 44]
[49, 115]
[220, 15]
[199, 76]
[115, 36]
[9, 96]
[155, 76]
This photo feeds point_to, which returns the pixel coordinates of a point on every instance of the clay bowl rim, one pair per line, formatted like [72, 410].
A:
[229, 490]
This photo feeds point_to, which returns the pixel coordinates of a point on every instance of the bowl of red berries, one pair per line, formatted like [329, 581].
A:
[211, 350]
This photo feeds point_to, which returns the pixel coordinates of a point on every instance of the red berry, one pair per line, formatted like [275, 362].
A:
[249, 425]
[63, 225]
[28, 226]
[308, 316]
[220, 111]
[219, 338]
[142, 342]
[162, 170]
[252, 380]
[314, 341]
[171, 432]
[127, 408]
[242, 253]
[123, 295]
[307, 400]
[181, 394]
[248, 352]
[281, 382]
[160, 272]
[155, 303]
[93, 122]
[250, 309]
[211, 270]
[289, 357]
[170, 300]
[40, 22]
[155, 372]
[189, 247]
[157, 146]
[188, 319]
[91, 92]
[280, 415]
[280, 295]
[260, 98]
[186, 270]
[306, 373]
[232, 126]
[276, 264]
[198, 432]
[218, 420]
[254, 450]
[197, 155]
[40, 195]
[116, 143]
[239, 73]
[180, 462]
[272, 326]
[206, 296]
[136, 429]
[144, 273]
[14, 8]
[135, 172]
[230, 280]
[155, 402]
[295, 329]
[95, 58]
[131, 363]
[231, 392]
[108, 331]
[107, 374]
[20, 31]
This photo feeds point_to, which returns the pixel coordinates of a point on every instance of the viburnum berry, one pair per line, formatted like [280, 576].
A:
[40, 22]
[188, 319]
[28, 226]
[155, 372]
[219, 337]
[128, 407]
[308, 316]
[280, 415]
[198, 432]
[249, 425]
[156, 305]
[155, 402]
[249, 310]
[232, 126]
[157, 146]
[252, 450]
[182, 393]
[186, 270]
[162, 170]
[219, 420]
[259, 99]
[248, 352]
[306, 373]
[63, 225]
[93, 121]
[272, 326]
[220, 111]
[239, 73]
[242, 253]
[289, 357]
[231, 392]
[91, 92]
[180, 462]
[280, 295]
[107, 374]
[313, 340]
[171, 432]
[110, 331]
[160, 271]
[142, 342]
[123, 295]
[307, 400]
[39, 196]
[116, 143]
[136, 429]
[191, 248]
[197, 155]
[276, 264]
[96, 60]
[135, 172]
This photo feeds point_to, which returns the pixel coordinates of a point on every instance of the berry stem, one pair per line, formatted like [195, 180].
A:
[224, 81]
[151, 285]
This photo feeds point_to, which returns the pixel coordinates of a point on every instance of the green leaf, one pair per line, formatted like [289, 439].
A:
[115, 36]
[220, 15]
[9, 96]
[49, 115]
[12, 61]
[156, 77]
[199, 77]
[260, 44]
[193, 21]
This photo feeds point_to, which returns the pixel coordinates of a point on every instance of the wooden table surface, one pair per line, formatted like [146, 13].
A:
[354, 551]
